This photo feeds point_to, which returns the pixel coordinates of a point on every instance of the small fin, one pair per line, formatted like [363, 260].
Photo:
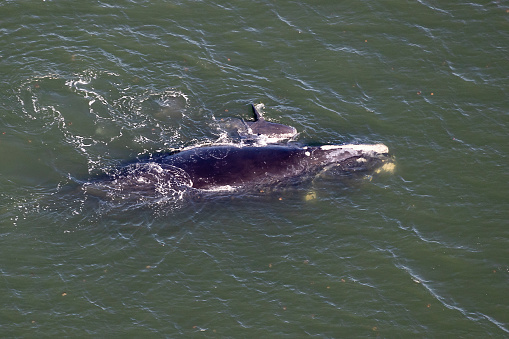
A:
[258, 115]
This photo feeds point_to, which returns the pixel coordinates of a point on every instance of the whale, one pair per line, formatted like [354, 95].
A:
[269, 132]
[257, 131]
[239, 167]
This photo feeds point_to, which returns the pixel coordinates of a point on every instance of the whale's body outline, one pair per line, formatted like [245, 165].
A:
[232, 166]
[263, 131]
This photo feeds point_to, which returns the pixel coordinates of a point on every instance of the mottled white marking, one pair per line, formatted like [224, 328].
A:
[307, 153]
[377, 148]
[329, 147]
[265, 139]
[227, 188]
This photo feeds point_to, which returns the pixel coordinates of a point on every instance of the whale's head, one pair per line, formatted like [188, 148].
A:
[353, 158]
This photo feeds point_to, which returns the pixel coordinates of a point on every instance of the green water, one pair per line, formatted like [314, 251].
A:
[421, 252]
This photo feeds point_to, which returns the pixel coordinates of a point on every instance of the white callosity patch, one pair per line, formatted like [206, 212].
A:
[376, 148]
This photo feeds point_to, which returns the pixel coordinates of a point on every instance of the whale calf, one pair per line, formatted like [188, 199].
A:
[220, 167]
[269, 132]
[258, 131]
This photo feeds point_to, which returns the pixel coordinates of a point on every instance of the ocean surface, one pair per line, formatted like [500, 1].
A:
[422, 252]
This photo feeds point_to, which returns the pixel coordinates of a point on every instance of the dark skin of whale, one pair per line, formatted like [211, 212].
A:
[228, 165]
[234, 167]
